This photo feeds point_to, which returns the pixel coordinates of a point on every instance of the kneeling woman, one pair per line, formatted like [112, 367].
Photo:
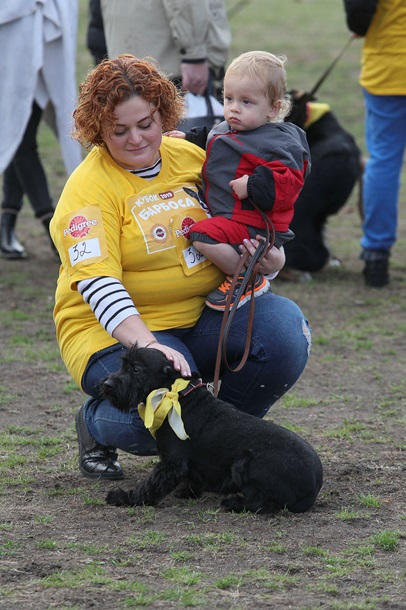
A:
[129, 273]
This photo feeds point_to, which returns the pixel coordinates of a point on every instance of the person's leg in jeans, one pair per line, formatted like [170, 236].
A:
[280, 346]
[106, 424]
[279, 349]
[385, 132]
[101, 427]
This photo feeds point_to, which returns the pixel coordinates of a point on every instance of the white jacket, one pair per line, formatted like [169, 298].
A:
[168, 30]
[38, 62]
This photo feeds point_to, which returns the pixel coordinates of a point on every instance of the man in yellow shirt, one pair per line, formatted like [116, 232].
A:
[383, 79]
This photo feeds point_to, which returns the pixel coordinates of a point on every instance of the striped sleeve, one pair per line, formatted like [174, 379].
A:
[108, 299]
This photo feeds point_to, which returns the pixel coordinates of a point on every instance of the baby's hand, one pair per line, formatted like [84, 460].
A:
[175, 134]
[239, 186]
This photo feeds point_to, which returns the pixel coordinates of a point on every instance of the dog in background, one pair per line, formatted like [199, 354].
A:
[260, 466]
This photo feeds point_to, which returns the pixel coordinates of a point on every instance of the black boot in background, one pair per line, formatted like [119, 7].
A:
[376, 270]
[10, 246]
[46, 219]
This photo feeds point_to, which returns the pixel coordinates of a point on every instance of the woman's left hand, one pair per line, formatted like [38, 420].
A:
[272, 262]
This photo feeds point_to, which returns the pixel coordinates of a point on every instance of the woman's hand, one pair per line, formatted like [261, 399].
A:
[272, 262]
[133, 330]
[178, 360]
[195, 77]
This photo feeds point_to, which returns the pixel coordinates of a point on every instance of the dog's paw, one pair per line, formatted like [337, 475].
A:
[234, 504]
[118, 497]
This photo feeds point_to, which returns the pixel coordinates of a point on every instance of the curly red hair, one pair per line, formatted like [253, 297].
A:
[114, 81]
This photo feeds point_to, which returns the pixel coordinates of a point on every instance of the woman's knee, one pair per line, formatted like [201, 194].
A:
[113, 428]
[99, 367]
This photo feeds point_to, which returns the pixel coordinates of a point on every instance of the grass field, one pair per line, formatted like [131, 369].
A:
[62, 547]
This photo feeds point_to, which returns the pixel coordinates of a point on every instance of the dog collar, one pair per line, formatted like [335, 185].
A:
[192, 386]
[164, 403]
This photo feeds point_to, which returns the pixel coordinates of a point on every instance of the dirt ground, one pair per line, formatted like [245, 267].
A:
[62, 547]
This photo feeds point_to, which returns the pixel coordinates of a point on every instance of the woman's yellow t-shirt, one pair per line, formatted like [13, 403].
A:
[110, 222]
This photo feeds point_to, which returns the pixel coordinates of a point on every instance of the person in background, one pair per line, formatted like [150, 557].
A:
[95, 38]
[38, 42]
[130, 275]
[254, 170]
[383, 81]
[336, 168]
[188, 38]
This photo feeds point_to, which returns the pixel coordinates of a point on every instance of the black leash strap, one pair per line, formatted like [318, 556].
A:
[330, 67]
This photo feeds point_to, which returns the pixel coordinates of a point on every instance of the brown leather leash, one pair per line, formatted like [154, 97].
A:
[229, 312]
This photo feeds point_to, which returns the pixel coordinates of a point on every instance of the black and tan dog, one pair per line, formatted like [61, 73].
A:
[264, 466]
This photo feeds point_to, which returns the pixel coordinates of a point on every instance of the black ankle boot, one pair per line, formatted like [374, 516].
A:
[10, 246]
[95, 461]
[376, 270]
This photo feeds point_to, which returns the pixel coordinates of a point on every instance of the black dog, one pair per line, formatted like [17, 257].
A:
[265, 467]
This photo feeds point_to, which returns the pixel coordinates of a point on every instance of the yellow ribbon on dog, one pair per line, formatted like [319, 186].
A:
[162, 404]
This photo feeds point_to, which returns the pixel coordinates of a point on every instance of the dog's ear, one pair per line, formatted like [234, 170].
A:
[133, 350]
[168, 369]
[170, 373]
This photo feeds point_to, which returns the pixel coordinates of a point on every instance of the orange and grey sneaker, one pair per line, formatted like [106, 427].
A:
[218, 298]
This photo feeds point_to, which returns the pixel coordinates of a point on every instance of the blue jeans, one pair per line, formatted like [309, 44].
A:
[385, 133]
[280, 347]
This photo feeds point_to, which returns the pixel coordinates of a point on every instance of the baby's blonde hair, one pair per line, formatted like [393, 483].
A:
[270, 70]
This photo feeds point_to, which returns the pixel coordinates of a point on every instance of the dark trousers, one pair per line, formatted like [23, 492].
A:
[335, 169]
[25, 173]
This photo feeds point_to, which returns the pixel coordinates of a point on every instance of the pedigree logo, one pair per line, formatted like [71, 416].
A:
[187, 224]
[159, 233]
[79, 226]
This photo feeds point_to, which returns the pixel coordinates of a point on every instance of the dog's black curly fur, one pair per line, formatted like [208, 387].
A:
[264, 467]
